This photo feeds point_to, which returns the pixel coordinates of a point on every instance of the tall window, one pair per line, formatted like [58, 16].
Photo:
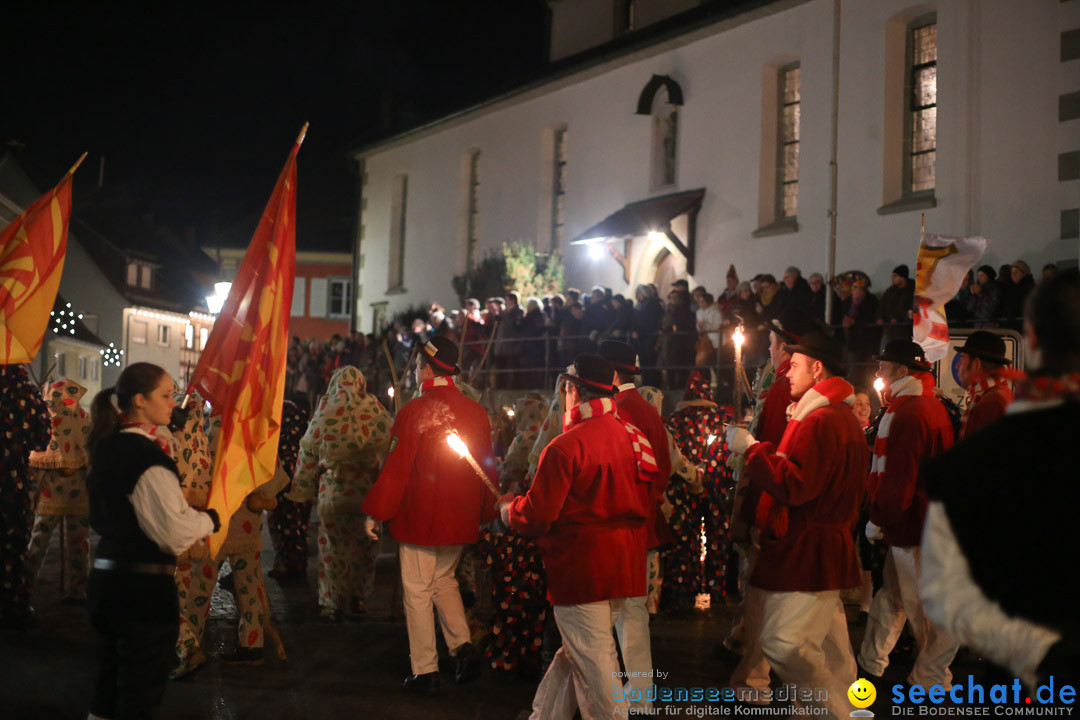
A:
[398, 202]
[140, 275]
[558, 196]
[787, 182]
[340, 297]
[189, 336]
[922, 114]
[472, 235]
[665, 141]
[164, 335]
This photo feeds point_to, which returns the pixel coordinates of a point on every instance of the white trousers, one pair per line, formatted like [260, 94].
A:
[898, 600]
[632, 628]
[427, 579]
[804, 637]
[584, 675]
[752, 672]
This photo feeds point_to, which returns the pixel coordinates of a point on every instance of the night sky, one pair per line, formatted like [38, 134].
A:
[195, 106]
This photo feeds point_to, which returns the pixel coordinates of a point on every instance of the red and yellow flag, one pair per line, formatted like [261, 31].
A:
[242, 370]
[32, 249]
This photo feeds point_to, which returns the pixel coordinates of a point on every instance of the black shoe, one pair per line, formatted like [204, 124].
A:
[467, 665]
[244, 656]
[426, 684]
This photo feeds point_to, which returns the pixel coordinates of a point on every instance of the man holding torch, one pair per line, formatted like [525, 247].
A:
[433, 504]
[587, 507]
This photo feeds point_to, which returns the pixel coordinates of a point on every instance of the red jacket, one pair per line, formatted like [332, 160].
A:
[821, 482]
[919, 429]
[640, 413]
[987, 409]
[426, 493]
[770, 428]
[587, 509]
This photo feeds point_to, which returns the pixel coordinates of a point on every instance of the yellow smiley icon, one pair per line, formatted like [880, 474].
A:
[862, 693]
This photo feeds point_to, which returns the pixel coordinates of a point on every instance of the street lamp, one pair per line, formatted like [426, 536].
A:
[215, 302]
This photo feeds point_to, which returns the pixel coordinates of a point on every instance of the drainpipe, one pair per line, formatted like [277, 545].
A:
[830, 247]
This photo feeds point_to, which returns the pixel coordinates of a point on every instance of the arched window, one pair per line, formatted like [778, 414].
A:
[661, 98]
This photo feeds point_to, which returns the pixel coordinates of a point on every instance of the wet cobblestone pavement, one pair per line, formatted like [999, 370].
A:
[347, 670]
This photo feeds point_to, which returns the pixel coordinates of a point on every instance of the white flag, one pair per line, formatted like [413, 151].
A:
[943, 262]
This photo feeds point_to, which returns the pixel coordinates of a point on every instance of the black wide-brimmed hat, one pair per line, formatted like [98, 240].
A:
[791, 325]
[441, 354]
[816, 344]
[905, 352]
[985, 345]
[594, 373]
[621, 355]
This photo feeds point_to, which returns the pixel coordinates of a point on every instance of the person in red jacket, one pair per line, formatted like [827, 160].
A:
[433, 504]
[982, 360]
[752, 672]
[588, 508]
[815, 479]
[633, 624]
[915, 428]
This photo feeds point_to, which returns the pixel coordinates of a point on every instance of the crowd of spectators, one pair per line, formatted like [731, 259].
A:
[524, 342]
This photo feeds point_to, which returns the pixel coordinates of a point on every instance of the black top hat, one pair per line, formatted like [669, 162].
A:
[985, 345]
[905, 352]
[441, 354]
[593, 373]
[791, 325]
[816, 344]
[621, 355]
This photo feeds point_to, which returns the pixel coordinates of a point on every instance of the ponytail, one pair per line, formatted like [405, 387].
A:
[104, 418]
[137, 379]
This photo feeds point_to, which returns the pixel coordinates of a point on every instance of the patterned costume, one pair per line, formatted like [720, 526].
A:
[519, 584]
[24, 427]
[60, 479]
[197, 571]
[289, 520]
[340, 456]
[694, 420]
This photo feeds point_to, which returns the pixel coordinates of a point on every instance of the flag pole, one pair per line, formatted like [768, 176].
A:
[77, 164]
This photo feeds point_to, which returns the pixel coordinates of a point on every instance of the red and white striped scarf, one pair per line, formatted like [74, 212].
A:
[977, 389]
[917, 385]
[437, 381]
[643, 450]
[832, 391]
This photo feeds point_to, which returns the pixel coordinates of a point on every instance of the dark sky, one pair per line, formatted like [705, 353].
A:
[195, 106]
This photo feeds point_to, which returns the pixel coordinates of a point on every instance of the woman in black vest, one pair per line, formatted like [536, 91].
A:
[137, 508]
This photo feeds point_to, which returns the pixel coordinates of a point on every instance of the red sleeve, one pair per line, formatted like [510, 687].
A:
[533, 513]
[896, 488]
[797, 478]
[384, 498]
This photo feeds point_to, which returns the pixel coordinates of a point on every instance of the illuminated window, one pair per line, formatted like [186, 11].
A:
[204, 335]
[921, 135]
[787, 181]
[189, 336]
[340, 297]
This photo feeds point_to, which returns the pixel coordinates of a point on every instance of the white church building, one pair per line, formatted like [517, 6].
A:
[673, 138]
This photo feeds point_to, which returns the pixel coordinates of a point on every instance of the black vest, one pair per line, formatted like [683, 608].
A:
[118, 463]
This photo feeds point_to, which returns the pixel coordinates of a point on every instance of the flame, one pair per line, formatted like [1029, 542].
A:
[711, 440]
[510, 413]
[738, 338]
[457, 444]
[390, 391]
[879, 384]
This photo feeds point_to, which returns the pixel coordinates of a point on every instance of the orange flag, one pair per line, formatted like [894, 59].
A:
[32, 249]
[242, 370]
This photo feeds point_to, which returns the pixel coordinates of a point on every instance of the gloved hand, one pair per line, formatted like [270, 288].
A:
[214, 518]
[178, 418]
[504, 513]
[739, 439]
[372, 528]
[874, 533]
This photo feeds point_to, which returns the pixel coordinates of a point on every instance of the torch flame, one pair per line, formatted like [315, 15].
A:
[510, 413]
[712, 439]
[390, 391]
[457, 444]
[738, 338]
[879, 384]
